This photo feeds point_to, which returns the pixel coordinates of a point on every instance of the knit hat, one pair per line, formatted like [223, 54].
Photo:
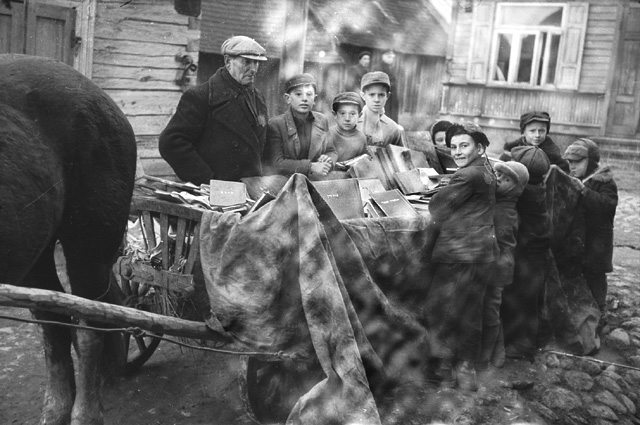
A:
[438, 126]
[533, 116]
[534, 159]
[349, 97]
[516, 171]
[470, 128]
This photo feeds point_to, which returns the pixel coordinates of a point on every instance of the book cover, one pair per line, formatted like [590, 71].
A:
[342, 196]
[418, 159]
[369, 167]
[410, 181]
[224, 193]
[368, 186]
[393, 204]
[256, 186]
[399, 157]
[386, 165]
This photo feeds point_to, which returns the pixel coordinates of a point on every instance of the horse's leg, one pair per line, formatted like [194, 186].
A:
[60, 387]
[89, 278]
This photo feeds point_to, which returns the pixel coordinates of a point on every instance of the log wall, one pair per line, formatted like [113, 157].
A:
[134, 61]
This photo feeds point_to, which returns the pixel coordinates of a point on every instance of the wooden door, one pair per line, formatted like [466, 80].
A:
[12, 28]
[624, 113]
[51, 31]
[38, 29]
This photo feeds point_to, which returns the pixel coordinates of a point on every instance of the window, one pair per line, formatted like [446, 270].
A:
[537, 45]
[526, 42]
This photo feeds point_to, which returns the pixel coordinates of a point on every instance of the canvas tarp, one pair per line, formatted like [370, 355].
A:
[289, 277]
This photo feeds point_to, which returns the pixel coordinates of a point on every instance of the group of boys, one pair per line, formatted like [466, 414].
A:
[493, 226]
[493, 244]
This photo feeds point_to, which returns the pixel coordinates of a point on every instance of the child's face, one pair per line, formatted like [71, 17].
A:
[439, 139]
[375, 96]
[301, 99]
[535, 133]
[347, 116]
[505, 183]
[578, 168]
[465, 150]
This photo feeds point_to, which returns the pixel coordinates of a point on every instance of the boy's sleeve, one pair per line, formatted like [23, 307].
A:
[605, 198]
[451, 197]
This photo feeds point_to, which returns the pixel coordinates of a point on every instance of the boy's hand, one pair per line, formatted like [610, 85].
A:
[321, 168]
[577, 184]
[325, 158]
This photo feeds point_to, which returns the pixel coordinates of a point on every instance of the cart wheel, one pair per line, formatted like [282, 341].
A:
[139, 349]
[269, 390]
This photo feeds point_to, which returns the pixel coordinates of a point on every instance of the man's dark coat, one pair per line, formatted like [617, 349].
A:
[214, 134]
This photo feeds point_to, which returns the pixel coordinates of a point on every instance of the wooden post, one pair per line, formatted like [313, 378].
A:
[295, 34]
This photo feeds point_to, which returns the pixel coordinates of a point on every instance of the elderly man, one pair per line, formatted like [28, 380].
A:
[219, 128]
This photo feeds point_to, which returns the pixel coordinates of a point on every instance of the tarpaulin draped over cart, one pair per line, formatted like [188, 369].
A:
[289, 277]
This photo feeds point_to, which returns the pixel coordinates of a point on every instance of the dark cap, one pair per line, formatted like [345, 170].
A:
[583, 148]
[533, 116]
[375, 77]
[438, 126]
[246, 47]
[534, 159]
[349, 97]
[364, 53]
[469, 128]
[300, 80]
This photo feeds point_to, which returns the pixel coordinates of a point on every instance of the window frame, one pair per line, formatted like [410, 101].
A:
[538, 58]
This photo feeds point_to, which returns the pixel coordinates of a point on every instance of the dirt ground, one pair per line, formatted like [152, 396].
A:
[187, 387]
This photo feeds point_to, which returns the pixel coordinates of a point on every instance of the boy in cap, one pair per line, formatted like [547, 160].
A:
[534, 130]
[379, 128]
[348, 141]
[219, 128]
[297, 140]
[463, 257]
[512, 177]
[521, 307]
[599, 201]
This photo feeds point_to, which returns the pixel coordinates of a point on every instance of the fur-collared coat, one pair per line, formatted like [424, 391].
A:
[599, 200]
[216, 133]
[462, 212]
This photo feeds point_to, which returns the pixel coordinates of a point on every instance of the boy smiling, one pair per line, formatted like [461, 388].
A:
[297, 140]
[463, 257]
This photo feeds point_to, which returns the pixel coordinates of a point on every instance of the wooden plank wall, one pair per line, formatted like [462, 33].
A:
[134, 61]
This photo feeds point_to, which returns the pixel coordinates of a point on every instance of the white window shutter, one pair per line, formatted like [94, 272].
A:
[480, 46]
[572, 46]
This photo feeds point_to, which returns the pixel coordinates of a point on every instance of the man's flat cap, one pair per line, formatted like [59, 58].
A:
[349, 97]
[246, 47]
[533, 116]
[299, 80]
[375, 77]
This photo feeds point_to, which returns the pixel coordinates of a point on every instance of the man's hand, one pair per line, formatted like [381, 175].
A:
[321, 168]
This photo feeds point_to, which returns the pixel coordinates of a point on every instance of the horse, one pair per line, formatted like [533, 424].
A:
[67, 168]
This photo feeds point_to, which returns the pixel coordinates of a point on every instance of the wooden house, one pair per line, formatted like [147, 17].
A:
[331, 34]
[137, 51]
[577, 60]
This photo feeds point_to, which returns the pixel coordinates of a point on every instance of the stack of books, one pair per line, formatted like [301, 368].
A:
[390, 203]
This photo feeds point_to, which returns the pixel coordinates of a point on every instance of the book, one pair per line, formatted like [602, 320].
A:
[224, 193]
[368, 186]
[430, 177]
[410, 181]
[417, 158]
[342, 196]
[400, 158]
[369, 167]
[256, 186]
[393, 204]
[386, 165]
[371, 210]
